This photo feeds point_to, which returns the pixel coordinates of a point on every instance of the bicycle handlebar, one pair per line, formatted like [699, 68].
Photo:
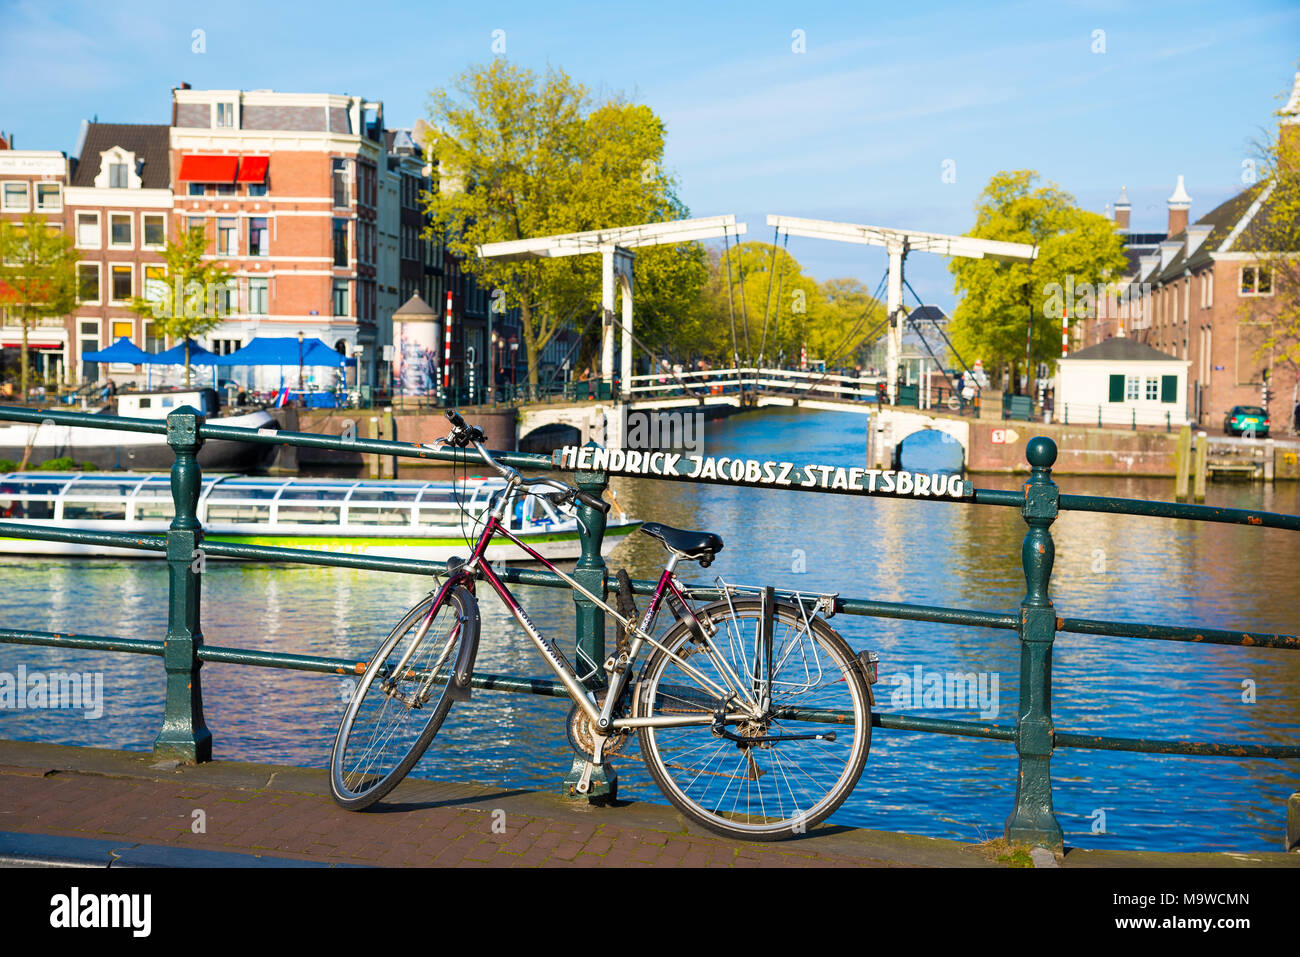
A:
[463, 434]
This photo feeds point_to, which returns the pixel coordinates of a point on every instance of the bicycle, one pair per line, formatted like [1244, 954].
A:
[752, 714]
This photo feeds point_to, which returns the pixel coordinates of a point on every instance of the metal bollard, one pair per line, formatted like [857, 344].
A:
[1032, 820]
[184, 735]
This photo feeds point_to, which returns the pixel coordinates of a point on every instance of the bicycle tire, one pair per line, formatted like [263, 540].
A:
[779, 816]
[357, 789]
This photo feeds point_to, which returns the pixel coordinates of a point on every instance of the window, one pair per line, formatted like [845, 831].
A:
[226, 115]
[340, 176]
[257, 296]
[257, 236]
[89, 342]
[340, 242]
[224, 347]
[1152, 388]
[15, 196]
[88, 230]
[121, 284]
[155, 230]
[1131, 387]
[155, 283]
[256, 189]
[227, 237]
[153, 341]
[225, 189]
[195, 224]
[88, 284]
[340, 297]
[1256, 281]
[197, 189]
[226, 298]
[49, 196]
[119, 230]
[117, 176]
[124, 327]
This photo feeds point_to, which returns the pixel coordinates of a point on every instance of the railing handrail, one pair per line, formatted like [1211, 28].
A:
[1033, 819]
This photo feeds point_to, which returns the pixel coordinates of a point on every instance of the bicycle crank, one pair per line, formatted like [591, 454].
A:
[582, 734]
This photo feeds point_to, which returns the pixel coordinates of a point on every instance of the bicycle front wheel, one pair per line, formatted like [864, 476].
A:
[785, 775]
[402, 699]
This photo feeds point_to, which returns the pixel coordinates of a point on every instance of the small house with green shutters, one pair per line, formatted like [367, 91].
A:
[1121, 381]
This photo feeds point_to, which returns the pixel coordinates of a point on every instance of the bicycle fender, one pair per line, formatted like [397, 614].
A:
[460, 681]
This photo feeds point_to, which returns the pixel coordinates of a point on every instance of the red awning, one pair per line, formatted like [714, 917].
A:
[208, 169]
[32, 345]
[252, 169]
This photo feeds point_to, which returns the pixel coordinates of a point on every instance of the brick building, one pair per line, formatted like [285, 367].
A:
[32, 181]
[1196, 294]
[118, 211]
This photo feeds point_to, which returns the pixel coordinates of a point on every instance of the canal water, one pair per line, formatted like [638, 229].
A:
[958, 555]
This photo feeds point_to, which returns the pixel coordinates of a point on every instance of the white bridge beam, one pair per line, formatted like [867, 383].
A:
[899, 242]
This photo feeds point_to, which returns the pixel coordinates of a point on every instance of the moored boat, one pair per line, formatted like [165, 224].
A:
[115, 449]
[433, 521]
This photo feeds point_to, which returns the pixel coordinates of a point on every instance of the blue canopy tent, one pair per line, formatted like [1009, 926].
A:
[175, 356]
[124, 350]
[285, 351]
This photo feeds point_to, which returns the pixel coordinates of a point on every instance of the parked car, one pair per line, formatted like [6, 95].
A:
[1244, 418]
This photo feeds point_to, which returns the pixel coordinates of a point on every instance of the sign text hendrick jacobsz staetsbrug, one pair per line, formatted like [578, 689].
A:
[868, 481]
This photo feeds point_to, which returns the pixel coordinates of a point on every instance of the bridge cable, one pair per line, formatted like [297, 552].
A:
[731, 311]
[762, 347]
[948, 341]
[875, 304]
[744, 309]
[576, 343]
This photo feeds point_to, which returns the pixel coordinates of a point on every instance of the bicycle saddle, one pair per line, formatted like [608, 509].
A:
[701, 546]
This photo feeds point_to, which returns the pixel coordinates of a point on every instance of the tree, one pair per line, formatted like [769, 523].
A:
[1273, 234]
[520, 157]
[778, 310]
[1074, 246]
[38, 276]
[192, 297]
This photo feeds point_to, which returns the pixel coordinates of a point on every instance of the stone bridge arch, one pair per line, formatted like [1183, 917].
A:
[892, 426]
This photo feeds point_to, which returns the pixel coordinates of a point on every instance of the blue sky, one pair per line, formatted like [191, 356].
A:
[857, 128]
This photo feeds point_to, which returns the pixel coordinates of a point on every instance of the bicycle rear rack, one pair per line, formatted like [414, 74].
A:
[823, 603]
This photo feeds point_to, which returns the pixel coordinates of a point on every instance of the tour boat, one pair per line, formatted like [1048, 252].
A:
[115, 449]
[398, 519]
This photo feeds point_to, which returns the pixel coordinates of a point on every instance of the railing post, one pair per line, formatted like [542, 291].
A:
[590, 573]
[184, 735]
[1032, 821]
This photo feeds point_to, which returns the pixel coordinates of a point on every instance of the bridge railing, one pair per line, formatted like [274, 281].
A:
[1035, 623]
[792, 382]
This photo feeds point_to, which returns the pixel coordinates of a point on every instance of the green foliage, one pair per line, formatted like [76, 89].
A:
[787, 311]
[189, 300]
[62, 464]
[8, 465]
[521, 157]
[1277, 229]
[38, 275]
[992, 314]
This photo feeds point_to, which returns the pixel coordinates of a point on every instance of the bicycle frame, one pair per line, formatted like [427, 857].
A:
[737, 694]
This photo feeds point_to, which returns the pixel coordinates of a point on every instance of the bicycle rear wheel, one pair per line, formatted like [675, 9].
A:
[771, 789]
[392, 717]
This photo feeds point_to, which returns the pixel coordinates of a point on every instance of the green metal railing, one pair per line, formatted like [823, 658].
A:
[185, 736]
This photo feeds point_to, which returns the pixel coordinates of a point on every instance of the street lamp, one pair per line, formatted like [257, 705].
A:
[514, 366]
[300, 388]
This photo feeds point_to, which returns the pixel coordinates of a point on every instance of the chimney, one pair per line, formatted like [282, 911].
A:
[1288, 133]
[1179, 204]
[1122, 209]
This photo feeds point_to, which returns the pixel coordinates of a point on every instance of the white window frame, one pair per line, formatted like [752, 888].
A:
[99, 268]
[130, 221]
[119, 302]
[4, 196]
[58, 192]
[1132, 387]
[266, 303]
[144, 235]
[1241, 275]
[230, 111]
[266, 237]
[1151, 384]
[234, 231]
[99, 229]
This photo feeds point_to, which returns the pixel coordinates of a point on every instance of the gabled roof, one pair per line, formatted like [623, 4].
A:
[1223, 220]
[1123, 348]
[148, 141]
